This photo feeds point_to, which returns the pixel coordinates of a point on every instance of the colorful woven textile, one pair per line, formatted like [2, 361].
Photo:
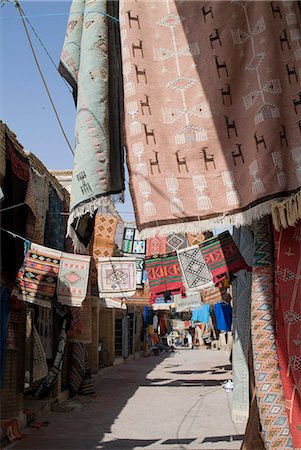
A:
[175, 242]
[90, 62]
[191, 302]
[116, 277]
[199, 142]
[212, 295]
[132, 242]
[73, 279]
[80, 328]
[288, 321]
[104, 234]
[36, 282]
[195, 273]
[39, 364]
[241, 314]
[77, 368]
[50, 380]
[269, 391]
[156, 245]
[164, 274]
[195, 239]
[222, 256]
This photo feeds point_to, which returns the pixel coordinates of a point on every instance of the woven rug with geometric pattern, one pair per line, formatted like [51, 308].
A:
[73, 279]
[288, 321]
[195, 273]
[241, 316]
[116, 277]
[269, 391]
[36, 282]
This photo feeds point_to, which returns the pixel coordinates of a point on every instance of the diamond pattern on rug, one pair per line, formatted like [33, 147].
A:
[195, 272]
[73, 279]
[175, 242]
[116, 277]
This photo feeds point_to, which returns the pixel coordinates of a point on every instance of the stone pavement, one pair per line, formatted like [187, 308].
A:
[167, 402]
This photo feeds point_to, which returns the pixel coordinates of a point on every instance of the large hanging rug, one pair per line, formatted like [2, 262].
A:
[203, 148]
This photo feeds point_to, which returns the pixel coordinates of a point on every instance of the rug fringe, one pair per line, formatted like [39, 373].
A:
[286, 213]
[239, 219]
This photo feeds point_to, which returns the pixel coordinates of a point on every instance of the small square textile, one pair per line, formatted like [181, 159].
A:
[116, 277]
[156, 245]
[222, 256]
[164, 274]
[195, 273]
[36, 282]
[73, 279]
[175, 242]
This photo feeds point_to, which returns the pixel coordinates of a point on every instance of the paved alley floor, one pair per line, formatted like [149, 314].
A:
[167, 402]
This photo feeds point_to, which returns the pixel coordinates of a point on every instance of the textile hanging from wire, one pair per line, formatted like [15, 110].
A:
[73, 279]
[164, 275]
[288, 321]
[37, 279]
[222, 257]
[116, 277]
[90, 62]
[193, 131]
[195, 273]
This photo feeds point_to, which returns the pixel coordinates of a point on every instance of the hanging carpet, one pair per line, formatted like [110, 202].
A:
[90, 62]
[116, 277]
[287, 244]
[164, 274]
[241, 315]
[205, 149]
[156, 245]
[195, 273]
[222, 256]
[80, 326]
[39, 364]
[189, 303]
[269, 390]
[73, 279]
[36, 281]
[212, 295]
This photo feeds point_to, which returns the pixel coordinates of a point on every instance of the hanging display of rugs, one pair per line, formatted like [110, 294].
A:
[195, 273]
[36, 281]
[91, 51]
[269, 391]
[73, 279]
[287, 251]
[186, 158]
[164, 275]
[116, 277]
[222, 257]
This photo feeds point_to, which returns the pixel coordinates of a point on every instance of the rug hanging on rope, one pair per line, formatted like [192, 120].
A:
[201, 146]
[195, 273]
[90, 62]
[116, 277]
[73, 279]
[37, 279]
[222, 257]
[164, 275]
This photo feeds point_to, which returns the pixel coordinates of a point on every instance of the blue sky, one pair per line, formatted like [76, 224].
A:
[24, 104]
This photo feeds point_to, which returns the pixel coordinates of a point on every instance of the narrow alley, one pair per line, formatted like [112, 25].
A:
[172, 401]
